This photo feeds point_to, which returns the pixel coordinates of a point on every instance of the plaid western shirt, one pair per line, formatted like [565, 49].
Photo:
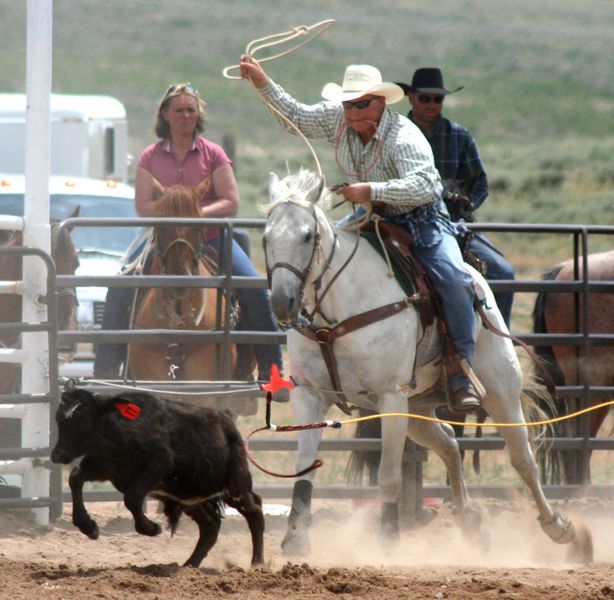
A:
[457, 156]
[397, 162]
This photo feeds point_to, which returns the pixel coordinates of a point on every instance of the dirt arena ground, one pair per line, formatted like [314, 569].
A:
[434, 561]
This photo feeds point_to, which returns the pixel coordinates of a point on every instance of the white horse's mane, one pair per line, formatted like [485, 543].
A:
[294, 188]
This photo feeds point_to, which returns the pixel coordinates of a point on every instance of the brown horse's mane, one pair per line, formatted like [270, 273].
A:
[178, 201]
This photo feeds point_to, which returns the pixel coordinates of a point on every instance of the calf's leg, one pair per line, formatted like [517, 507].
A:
[241, 497]
[250, 506]
[85, 471]
[148, 479]
[209, 520]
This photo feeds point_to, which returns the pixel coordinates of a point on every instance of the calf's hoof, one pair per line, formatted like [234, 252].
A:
[89, 527]
[257, 561]
[148, 528]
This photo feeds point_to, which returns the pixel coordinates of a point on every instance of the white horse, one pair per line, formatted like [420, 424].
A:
[319, 277]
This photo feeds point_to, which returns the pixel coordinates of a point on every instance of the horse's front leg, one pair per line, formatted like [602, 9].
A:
[308, 408]
[394, 433]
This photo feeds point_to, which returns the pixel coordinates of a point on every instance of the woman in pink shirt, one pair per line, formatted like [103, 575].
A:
[184, 157]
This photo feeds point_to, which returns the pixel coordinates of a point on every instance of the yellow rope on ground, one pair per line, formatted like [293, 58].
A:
[471, 423]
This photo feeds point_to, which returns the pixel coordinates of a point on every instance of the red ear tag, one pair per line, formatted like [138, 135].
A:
[130, 411]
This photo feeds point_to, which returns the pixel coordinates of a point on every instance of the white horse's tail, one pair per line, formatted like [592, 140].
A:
[536, 401]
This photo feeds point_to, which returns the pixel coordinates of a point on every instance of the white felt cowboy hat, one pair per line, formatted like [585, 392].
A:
[361, 80]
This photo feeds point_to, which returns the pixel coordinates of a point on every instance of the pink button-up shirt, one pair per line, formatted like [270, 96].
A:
[200, 163]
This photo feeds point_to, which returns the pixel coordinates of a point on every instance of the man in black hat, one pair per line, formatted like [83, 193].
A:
[457, 158]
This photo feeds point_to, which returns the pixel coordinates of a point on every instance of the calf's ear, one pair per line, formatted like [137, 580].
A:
[70, 386]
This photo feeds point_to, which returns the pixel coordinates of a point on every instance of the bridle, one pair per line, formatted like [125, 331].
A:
[172, 295]
[301, 275]
[305, 273]
[196, 253]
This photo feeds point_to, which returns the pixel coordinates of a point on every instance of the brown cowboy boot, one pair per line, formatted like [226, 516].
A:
[462, 395]
[465, 399]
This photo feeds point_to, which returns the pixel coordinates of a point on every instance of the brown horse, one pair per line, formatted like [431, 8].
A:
[66, 263]
[178, 250]
[555, 313]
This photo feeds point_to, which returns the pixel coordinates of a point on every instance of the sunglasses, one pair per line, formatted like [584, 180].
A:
[181, 86]
[359, 104]
[424, 99]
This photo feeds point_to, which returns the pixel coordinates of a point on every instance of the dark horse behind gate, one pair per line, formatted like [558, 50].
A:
[66, 261]
[562, 313]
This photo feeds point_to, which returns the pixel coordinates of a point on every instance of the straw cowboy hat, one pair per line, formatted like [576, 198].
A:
[360, 80]
[428, 80]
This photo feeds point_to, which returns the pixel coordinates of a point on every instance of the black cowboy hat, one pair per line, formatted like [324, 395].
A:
[428, 80]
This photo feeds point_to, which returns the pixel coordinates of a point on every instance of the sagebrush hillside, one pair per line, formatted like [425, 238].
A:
[538, 97]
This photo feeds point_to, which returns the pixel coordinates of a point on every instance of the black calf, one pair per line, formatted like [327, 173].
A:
[191, 459]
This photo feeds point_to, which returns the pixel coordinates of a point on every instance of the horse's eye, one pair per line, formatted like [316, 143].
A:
[308, 237]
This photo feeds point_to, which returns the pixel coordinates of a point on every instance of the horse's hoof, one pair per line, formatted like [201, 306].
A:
[296, 543]
[425, 516]
[469, 519]
[389, 529]
[558, 528]
[581, 549]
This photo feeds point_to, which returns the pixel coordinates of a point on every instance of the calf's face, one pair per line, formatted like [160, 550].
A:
[75, 417]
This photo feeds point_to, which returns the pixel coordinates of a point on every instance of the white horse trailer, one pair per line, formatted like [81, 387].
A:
[89, 136]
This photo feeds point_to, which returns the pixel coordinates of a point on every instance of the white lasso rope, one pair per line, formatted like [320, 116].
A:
[280, 38]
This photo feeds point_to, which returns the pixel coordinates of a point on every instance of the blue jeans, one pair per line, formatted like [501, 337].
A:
[440, 255]
[254, 305]
[453, 285]
[497, 267]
